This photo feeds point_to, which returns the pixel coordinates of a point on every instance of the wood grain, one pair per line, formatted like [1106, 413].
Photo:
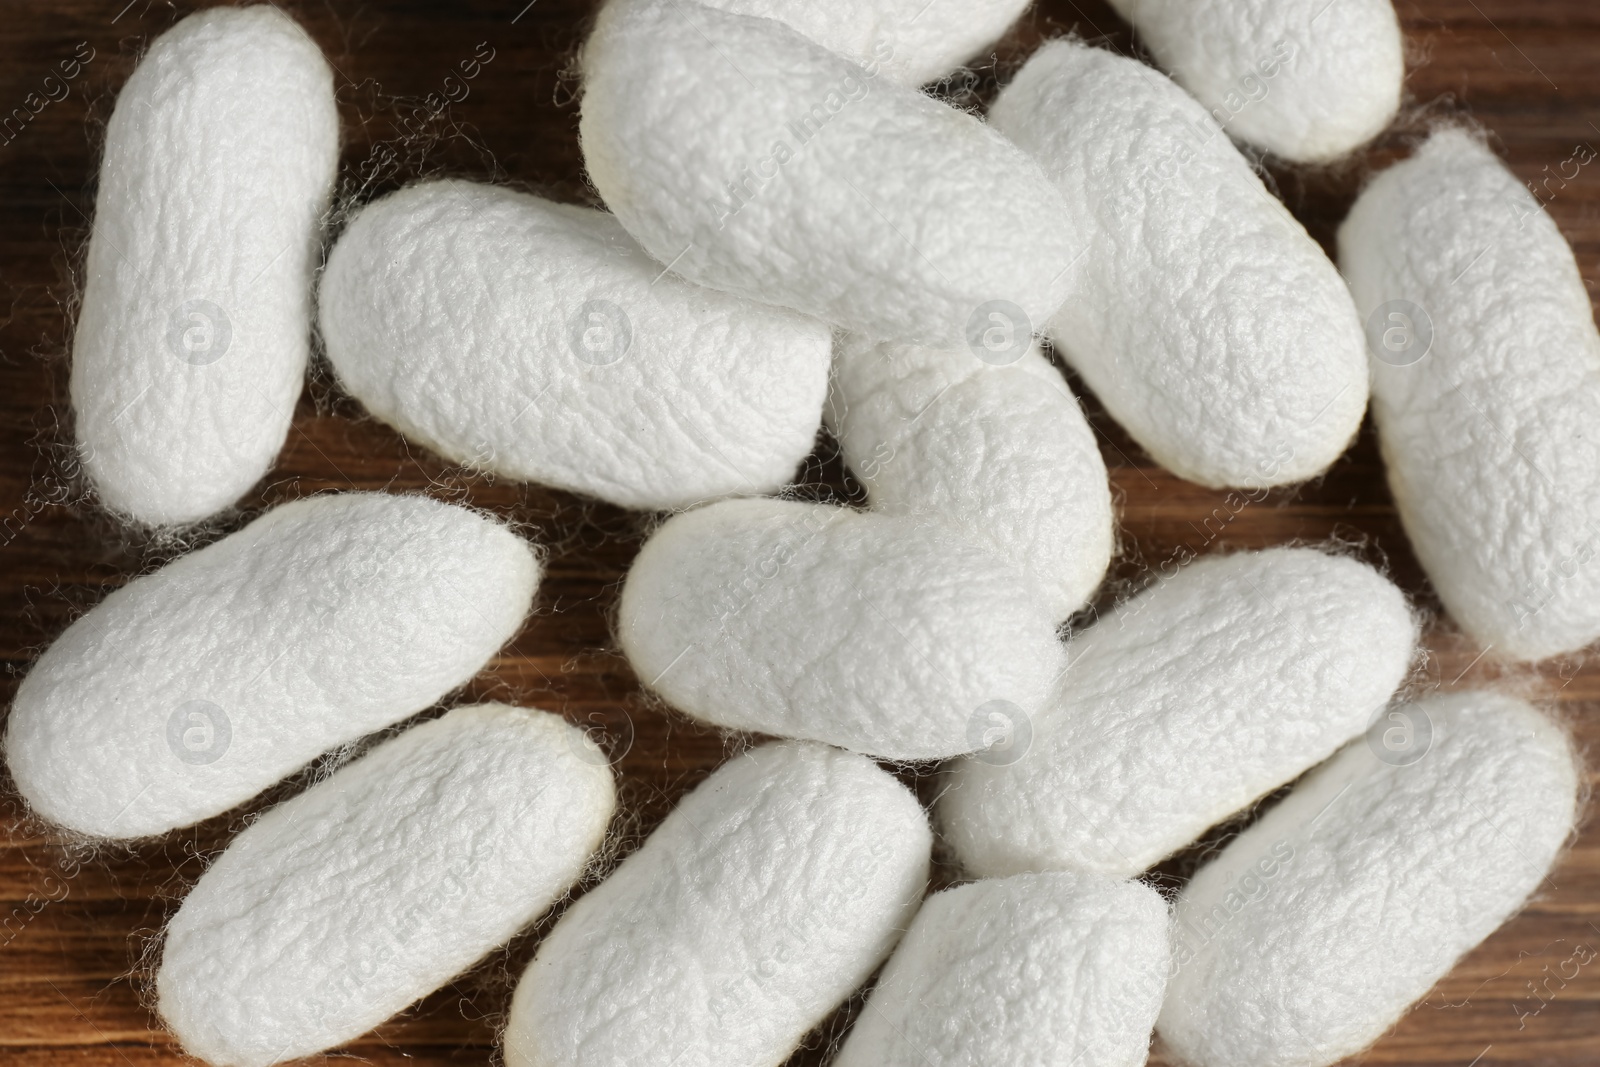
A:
[75, 924]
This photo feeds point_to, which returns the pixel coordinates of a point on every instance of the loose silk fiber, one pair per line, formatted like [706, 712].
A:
[748, 158]
[192, 342]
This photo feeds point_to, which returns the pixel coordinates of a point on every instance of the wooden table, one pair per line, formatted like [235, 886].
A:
[76, 926]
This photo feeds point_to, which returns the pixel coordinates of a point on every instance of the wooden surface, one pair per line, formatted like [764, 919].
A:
[75, 925]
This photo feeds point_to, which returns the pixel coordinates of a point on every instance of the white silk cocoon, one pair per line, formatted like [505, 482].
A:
[1221, 682]
[192, 689]
[745, 157]
[1003, 451]
[884, 635]
[195, 328]
[346, 904]
[1306, 79]
[1486, 393]
[1037, 970]
[1317, 927]
[1208, 322]
[538, 341]
[923, 39]
[764, 900]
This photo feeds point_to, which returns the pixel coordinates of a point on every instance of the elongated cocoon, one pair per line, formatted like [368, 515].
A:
[884, 635]
[1486, 393]
[915, 41]
[339, 908]
[1316, 928]
[1305, 79]
[1226, 679]
[1004, 451]
[192, 689]
[192, 342]
[1038, 970]
[539, 341]
[748, 158]
[769, 894]
[1207, 321]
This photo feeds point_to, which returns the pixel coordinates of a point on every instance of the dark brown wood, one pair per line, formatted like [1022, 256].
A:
[75, 925]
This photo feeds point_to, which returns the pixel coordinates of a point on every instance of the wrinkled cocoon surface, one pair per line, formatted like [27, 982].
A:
[193, 688]
[1004, 451]
[916, 41]
[1306, 79]
[748, 158]
[1226, 679]
[539, 341]
[1316, 928]
[342, 906]
[1039, 970]
[883, 635]
[1207, 321]
[1489, 437]
[196, 323]
[763, 901]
